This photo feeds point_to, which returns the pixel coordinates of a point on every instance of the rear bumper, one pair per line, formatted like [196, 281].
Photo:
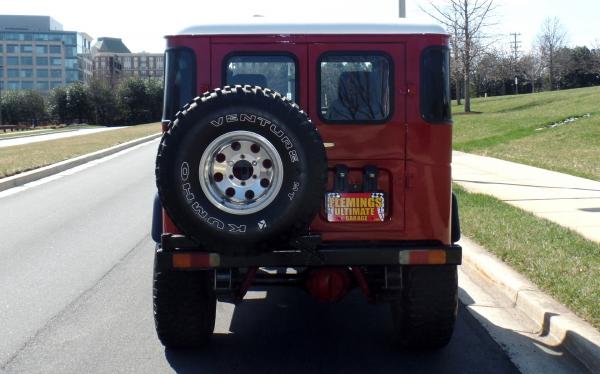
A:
[179, 253]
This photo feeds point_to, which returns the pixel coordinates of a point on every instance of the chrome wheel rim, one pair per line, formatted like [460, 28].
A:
[240, 172]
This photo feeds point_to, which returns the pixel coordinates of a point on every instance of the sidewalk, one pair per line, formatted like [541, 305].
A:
[59, 135]
[569, 201]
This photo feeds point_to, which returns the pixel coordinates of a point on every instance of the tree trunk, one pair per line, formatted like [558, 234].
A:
[467, 92]
[551, 70]
[467, 58]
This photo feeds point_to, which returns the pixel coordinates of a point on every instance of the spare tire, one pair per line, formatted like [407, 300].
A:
[241, 170]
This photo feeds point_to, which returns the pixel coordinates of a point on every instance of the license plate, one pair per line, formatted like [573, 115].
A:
[355, 207]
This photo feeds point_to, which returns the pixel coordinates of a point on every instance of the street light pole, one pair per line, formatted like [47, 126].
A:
[402, 8]
[1, 83]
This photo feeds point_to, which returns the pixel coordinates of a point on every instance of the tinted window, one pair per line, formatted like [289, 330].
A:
[277, 72]
[354, 88]
[435, 85]
[180, 80]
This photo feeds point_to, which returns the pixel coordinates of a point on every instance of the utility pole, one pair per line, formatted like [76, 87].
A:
[515, 44]
[402, 8]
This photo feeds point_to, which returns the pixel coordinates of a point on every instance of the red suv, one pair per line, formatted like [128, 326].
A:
[322, 150]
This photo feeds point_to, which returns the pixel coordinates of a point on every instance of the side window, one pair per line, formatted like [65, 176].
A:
[180, 80]
[355, 88]
[277, 72]
[435, 85]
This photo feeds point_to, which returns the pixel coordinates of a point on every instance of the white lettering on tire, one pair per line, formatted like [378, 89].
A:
[191, 199]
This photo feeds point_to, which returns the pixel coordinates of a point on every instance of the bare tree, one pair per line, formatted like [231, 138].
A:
[550, 40]
[532, 67]
[465, 20]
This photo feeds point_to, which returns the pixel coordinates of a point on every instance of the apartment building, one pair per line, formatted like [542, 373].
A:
[113, 61]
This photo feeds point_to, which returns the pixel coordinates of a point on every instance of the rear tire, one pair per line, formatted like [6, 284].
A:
[184, 307]
[425, 313]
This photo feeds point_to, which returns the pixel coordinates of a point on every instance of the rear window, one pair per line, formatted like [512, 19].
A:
[355, 88]
[180, 80]
[435, 85]
[277, 72]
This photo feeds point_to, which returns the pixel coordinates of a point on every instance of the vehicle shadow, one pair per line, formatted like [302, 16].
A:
[290, 332]
[535, 355]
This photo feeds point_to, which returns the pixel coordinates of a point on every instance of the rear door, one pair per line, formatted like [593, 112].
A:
[357, 99]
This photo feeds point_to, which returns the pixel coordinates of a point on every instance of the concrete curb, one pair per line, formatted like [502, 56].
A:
[554, 319]
[46, 171]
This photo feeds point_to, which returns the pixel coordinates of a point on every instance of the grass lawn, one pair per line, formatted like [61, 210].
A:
[20, 158]
[559, 261]
[516, 128]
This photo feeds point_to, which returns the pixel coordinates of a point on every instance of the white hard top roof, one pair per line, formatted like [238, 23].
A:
[262, 26]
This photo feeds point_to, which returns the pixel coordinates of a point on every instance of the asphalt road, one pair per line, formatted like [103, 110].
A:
[75, 297]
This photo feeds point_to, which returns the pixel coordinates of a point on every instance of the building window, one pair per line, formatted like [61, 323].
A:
[71, 63]
[26, 60]
[55, 84]
[11, 48]
[71, 51]
[26, 73]
[355, 87]
[1, 48]
[41, 49]
[12, 85]
[71, 75]
[69, 39]
[55, 49]
[41, 37]
[42, 86]
[54, 73]
[56, 61]
[12, 73]
[27, 85]
[42, 73]
[41, 61]
[12, 60]
[26, 48]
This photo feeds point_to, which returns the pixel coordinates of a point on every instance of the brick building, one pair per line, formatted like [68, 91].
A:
[113, 61]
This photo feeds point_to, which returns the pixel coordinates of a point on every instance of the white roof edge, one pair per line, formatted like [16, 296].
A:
[258, 26]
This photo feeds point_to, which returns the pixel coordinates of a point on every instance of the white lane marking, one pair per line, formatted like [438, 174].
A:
[21, 140]
[71, 171]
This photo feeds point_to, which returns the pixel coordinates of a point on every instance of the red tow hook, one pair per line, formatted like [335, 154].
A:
[328, 284]
[247, 283]
[362, 282]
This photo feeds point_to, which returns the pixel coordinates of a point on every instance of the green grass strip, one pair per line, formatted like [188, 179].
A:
[21, 158]
[558, 260]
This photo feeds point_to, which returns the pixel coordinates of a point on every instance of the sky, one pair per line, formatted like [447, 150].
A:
[142, 25]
